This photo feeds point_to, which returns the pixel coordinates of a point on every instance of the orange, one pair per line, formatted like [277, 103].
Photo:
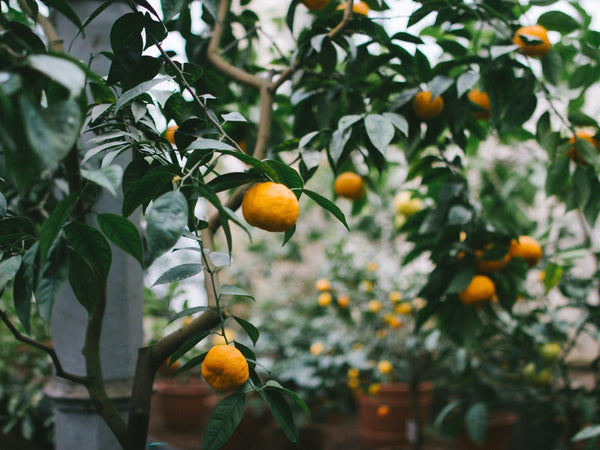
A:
[573, 153]
[533, 33]
[324, 299]
[357, 8]
[527, 248]
[315, 5]
[490, 265]
[425, 107]
[322, 285]
[270, 206]
[374, 306]
[225, 368]
[385, 367]
[482, 100]
[481, 289]
[170, 133]
[343, 301]
[403, 309]
[349, 185]
[382, 410]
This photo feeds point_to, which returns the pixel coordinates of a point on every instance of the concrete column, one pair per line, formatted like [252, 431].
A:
[77, 424]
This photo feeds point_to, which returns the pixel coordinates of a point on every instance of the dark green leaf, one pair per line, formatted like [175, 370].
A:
[558, 21]
[250, 329]
[558, 175]
[53, 275]
[8, 269]
[282, 413]
[61, 70]
[53, 224]
[461, 280]
[23, 286]
[91, 244]
[144, 189]
[171, 8]
[180, 272]
[3, 206]
[52, 131]
[228, 289]
[223, 421]
[552, 67]
[328, 205]
[380, 131]
[580, 119]
[285, 174]
[123, 234]
[167, 219]
[275, 385]
[83, 281]
[476, 422]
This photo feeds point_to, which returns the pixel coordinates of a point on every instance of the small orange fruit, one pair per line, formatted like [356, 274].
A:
[490, 265]
[385, 367]
[382, 410]
[225, 368]
[404, 308]
[324, 299]
[374, 306]
[343, 301]
[482, 100]
[349, 185]
[315, 5]
[357, 8]
[540, 44]
[322, 285]
[426, 107]
[481, 289]
[317, 348]
[573, 153]
[527, 248]
[270, 206]
[170, 133]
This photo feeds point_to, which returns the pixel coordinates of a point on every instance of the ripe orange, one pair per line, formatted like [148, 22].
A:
[315, 5]
[382, 410]
[324, 299]
[270, 206]
[225, 368]
[425, 107]
[527, 248]
[170, 133]
[482, 100]
[357, 8]
[343, 301]
[481, 289]
[349, 185]
[490, 265]
[385, 367]
[533, 32]
[573, 153]
[322, 285]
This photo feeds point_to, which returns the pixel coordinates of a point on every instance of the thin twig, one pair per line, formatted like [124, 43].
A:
[60, 372]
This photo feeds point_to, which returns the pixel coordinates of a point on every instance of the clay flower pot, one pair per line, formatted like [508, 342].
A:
[386, 419]
[184, 405]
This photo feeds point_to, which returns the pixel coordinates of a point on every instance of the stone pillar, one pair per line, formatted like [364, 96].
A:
[77, 424]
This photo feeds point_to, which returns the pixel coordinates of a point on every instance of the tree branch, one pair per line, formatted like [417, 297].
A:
[93, 366]
[60, 372]
[214, 55]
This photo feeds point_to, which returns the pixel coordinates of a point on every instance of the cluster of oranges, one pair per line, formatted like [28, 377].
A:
[482, 289]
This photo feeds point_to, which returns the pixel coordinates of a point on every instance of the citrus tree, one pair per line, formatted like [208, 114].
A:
[353, 87]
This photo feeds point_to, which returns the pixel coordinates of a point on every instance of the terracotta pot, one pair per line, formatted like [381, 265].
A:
[386, 419]
[185, 406]
[500, 424]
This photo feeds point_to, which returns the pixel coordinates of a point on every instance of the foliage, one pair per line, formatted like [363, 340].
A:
[69, 135]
